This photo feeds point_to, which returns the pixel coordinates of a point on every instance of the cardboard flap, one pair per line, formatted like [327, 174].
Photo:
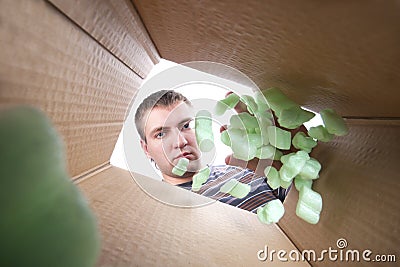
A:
[138, 228]
[337, 54]
[50, 63]
[116, 26]
[359, 186]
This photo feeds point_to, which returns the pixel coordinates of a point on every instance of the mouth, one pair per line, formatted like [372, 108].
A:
[187, 155]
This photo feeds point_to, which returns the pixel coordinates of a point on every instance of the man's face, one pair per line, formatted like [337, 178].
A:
[170, 136]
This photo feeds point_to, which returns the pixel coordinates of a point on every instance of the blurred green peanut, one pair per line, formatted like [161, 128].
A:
[45, 219]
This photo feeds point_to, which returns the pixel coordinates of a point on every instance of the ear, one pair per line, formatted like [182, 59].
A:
[144, 147]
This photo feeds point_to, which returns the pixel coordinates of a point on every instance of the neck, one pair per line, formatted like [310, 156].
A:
[176, 181]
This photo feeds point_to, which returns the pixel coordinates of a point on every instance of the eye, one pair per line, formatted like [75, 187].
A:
[160, 135]
[188, 125]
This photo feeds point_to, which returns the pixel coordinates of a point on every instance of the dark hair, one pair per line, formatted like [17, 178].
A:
[163, 98]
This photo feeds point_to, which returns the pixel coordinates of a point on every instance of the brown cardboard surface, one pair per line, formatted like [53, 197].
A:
[48, 62]
[339, 54]
[360, 190]
[116, 25]
[138, 230]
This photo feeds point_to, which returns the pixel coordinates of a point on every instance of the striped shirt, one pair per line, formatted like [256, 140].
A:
[260, 192]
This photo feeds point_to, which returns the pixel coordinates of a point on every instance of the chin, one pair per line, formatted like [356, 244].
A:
[192, 168]
[185, 175]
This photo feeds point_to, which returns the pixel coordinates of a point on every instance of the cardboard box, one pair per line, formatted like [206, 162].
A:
[83, 62]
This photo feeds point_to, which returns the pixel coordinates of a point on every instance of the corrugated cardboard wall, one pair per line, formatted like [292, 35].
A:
[83, 76]
[324, 54]
[138, 230]
[341, 54]
[359, 185]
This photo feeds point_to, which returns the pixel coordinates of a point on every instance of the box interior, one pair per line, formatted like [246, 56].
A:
[82, 63]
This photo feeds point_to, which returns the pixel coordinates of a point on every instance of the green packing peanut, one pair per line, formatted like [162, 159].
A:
[229, 102]
[181, 167]
[204, 133]
[235, 188]
[200, 178]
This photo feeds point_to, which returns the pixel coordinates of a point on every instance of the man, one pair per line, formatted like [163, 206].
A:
[164, 123]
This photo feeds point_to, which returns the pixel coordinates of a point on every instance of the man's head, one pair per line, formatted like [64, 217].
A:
[163, 121]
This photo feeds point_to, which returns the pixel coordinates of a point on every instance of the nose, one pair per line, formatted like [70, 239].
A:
[181, 140]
